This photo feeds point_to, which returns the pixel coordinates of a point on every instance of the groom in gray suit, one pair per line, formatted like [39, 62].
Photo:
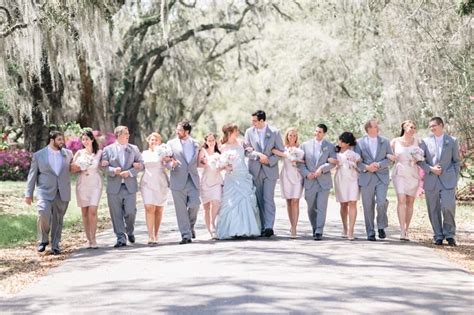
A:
[119, 158]
[316, 171]
[374, 178]
[441, 166]
[263, 165]
[184, 180]
[49, 171]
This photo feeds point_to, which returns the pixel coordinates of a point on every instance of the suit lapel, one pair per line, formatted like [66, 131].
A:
[256, 139]
[367, 147]
[378, 149]
[45, 157]
[443, 144]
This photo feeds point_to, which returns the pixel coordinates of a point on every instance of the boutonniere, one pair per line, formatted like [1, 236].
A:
[446, 142]
[127, 149]
[381, 141]
[267, 135]
[63, 152]
[325, 149]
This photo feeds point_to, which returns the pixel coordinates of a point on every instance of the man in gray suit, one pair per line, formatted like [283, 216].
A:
[316, 171]
[374, 178]
[49, 170]
[441, 166]
[263, 165]
[119, 159]
[184, 180]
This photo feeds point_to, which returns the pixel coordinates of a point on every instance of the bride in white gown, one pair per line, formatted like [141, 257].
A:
[238, 216]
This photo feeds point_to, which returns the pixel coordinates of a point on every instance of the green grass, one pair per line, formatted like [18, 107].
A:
[18, 220]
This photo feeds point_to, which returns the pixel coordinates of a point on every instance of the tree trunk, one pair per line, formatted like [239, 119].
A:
[87, 117]
[34, 130]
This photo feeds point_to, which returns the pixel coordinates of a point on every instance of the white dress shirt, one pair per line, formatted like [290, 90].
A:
[55, 160]
[261, 136]
[317, 149]
[188, 149]
[439, 147]
[372, 145]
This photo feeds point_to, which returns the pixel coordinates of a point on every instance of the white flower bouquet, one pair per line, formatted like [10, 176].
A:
[84, 161]
[352, 158]
[417, 155]
[295, 154]
[227, 158]
[163, 150]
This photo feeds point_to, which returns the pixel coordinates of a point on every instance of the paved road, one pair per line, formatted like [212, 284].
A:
[277, 275]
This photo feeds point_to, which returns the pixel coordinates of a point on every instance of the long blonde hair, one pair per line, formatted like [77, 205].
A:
[154, 134]
[287, 132]
[227, 129]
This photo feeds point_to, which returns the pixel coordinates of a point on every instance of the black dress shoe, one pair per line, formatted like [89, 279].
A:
[120, 244]
[41, 247]
[193, 234]
[131, 238]
[451, 241]
[382, 234]
[371, 238]
[438, 242]
[56, 251]
[318, 236]
[268, 232]
[186, 241]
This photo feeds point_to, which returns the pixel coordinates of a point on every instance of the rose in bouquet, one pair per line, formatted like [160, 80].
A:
[84, 161]
[214, 161]
[352, 158]
[417, 155]
[163, 150]
[227, 158]
[295, 154]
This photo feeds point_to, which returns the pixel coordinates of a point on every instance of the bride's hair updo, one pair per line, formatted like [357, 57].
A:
[227, 130]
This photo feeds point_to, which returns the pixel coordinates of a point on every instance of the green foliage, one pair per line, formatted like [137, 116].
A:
[70, 128]
[466, 7]
[3, 104]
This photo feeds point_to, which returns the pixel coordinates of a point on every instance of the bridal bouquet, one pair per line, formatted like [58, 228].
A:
[163, 150]
[214, 161]
[295, 154]
[352, 158]
[227, 158]
[84, 161]
[417, 155]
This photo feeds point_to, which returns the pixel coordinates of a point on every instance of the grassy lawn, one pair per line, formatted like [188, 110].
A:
[18, 220]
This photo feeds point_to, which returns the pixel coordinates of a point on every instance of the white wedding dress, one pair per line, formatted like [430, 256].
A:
[238, 215]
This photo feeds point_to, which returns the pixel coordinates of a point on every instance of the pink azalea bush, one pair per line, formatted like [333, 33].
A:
[14, 164]
[74, 143]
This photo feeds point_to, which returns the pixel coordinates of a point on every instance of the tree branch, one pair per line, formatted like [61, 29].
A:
[183, 37]
[286, 16]
[187, 5]
[213, 56]
[143, 26]
[12, 29]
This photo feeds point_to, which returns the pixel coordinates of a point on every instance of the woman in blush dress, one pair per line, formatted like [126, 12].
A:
[405, 174]
[211, 182]
[345, 182]
[238, 216]
[89, 184]
[291, 181]
[153, 186]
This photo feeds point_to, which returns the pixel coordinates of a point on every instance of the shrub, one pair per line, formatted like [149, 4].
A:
[14, 164]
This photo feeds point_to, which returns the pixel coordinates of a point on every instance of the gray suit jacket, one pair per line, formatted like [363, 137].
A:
[179, 175]
[272, 141]
[48, 183]
[313, 163]
[449, 162]
[132, 155]
[383, 149]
